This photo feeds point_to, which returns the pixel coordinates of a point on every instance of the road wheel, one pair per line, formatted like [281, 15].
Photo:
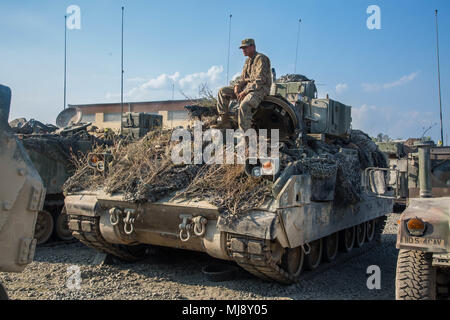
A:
[370, 230]
[415, 277]
[292, 261]
[62, 230]
[330, 247]
[360, 235]
[312, 260]
[347, 239]
[3, 294]
[44, 227]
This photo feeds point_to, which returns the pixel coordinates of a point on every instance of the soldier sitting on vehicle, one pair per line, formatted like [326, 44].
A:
[250, 90]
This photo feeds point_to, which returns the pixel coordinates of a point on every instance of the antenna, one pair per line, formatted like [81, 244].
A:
[439, 76]
[229, 39]
[121, 82]
[296, 50]
[65, 59]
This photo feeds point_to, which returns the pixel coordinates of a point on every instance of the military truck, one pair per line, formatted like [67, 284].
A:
[329, 195]
[21, 198]
[423, 237]
[404, 165]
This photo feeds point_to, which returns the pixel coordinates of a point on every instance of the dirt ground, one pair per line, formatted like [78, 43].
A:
[66, 271]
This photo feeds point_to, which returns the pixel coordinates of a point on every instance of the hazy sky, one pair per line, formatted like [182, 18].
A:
[388, 76]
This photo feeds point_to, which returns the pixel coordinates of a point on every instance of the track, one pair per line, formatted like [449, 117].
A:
[254, 255]
[87, 230]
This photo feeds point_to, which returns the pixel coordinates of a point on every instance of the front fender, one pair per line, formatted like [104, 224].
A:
[435, 212]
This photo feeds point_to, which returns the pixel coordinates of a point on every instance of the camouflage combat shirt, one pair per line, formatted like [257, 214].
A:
[256, 75]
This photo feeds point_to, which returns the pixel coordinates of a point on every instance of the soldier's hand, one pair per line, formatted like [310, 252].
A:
[241, 96]
[236, 90]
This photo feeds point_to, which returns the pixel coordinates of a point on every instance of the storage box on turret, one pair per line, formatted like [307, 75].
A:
[327, 116]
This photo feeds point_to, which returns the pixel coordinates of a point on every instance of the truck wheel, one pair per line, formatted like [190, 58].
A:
[3, 294]
[312, 260]
[347, 239]
[62, 230]
[330, 247]
[415, 277]
[44, 227]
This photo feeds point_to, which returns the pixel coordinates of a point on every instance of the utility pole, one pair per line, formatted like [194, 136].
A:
[296, 50]
[65, 58]
[173, 90]
[229, 39]
[121, 82]
[439, 77]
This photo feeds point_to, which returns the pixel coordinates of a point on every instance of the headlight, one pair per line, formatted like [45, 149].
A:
[416, 226]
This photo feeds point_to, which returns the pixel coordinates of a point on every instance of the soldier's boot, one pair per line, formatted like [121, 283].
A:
[223, 123]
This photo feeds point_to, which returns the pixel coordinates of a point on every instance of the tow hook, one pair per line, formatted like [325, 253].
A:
[115, 215]
[128, 221]
[189, 224]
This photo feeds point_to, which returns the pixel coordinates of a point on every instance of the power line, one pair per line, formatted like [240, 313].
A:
[65, 58]
[121, 81]
[229, 39]
[296, 50]
[439, 76]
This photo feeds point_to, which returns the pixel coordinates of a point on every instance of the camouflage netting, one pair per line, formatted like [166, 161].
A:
[143, 171]
[57, 147]
[228, 188]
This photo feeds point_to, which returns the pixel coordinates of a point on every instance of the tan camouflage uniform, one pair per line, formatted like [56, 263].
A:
[256, 80]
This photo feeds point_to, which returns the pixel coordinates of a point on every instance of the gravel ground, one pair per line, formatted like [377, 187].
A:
[175, 274]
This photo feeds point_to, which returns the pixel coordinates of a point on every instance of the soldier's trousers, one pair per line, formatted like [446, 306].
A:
[247, 106]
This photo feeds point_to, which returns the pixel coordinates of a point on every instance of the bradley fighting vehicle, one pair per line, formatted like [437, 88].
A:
[423, 237]
[21, 197]
[333, 197]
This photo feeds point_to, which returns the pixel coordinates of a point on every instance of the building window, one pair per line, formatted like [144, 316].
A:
[178, 115]
[111, 117]
[88, 117]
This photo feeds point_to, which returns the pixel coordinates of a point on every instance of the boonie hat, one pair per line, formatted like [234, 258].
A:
[246, 43]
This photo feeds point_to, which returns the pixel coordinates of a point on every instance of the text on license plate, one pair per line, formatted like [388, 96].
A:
[438, 243]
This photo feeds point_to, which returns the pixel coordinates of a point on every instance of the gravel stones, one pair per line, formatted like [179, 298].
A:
[176, 274]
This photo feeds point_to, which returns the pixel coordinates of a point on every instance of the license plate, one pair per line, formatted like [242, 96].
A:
[427, 242]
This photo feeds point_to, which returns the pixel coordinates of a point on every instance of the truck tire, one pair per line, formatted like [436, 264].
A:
[415, 277]
[3, 294]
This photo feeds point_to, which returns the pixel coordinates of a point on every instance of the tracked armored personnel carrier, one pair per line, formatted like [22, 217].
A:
[21, 198]
[423, 237]
[327, 192]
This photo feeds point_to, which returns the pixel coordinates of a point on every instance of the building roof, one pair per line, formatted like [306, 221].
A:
[142, 106]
